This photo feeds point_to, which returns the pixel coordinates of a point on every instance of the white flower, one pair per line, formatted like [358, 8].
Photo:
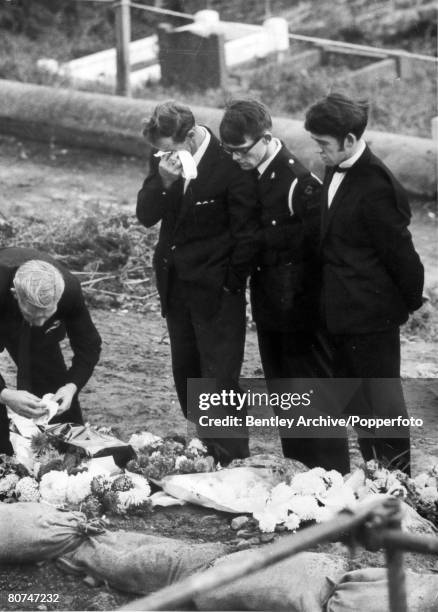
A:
[421, 480]
[398, 490]
[144, 439]
[27, 490]
[381, 484]
[197, 447]
[381, 474]
[7, 484]
[317, 471]
[292, 522]
[434, 470]
[323, 513]
[432, 482]
[333, 478]
[280, 494]
[267, 521]
[307, 484]
[180, 460]
[78, 487]
[429, 494]
[135, 496]
[53, 487]
[338, 498]
[304, 506]
[372, 466]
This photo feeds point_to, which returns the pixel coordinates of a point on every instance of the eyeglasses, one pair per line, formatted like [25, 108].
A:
[241, 151]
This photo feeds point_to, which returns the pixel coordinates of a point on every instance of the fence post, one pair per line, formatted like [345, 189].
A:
[123, 38]
[394, 560]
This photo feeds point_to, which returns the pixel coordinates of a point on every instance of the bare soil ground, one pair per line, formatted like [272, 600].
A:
[132, 388]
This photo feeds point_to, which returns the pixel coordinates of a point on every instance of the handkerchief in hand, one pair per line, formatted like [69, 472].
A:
[189, 169]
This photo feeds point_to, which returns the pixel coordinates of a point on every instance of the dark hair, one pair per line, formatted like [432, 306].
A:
[244, 117]
[169, 119]
[336, 115]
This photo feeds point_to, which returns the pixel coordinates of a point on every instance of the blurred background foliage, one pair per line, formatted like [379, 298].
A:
[64, 30]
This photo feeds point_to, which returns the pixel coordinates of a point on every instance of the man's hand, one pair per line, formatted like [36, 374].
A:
[169, 169]
[65, 395]
[22, 402]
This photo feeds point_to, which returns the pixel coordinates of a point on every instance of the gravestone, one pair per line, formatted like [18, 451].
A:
[191, 60]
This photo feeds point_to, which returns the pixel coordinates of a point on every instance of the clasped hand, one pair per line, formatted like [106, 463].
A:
[28, 405]
[23, 403]
[64, 396]
[170, 168]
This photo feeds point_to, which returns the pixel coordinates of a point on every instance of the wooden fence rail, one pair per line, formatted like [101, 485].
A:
[377, 522]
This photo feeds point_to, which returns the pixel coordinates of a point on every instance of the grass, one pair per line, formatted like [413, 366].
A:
[404, 106]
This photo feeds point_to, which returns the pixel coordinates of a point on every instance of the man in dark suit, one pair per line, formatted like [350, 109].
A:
[285, 284]
[372, 275]
[41, 302]
[207, 241]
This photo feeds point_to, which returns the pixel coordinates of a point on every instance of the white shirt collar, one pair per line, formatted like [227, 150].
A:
[262, 167]
[347, 163]
[197, 156]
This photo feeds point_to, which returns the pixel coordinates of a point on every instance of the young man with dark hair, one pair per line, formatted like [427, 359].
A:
[207, 242]
[285, 285]
[372, 277]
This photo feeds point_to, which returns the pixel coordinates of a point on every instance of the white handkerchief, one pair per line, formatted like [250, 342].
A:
[189, 169]
[28, 427]
[50, 405]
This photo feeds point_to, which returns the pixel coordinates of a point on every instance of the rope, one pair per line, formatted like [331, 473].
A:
[154, 9]
[344, 45]
[144, 7]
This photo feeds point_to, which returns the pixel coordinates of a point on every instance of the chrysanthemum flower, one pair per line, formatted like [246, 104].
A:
[53, 487]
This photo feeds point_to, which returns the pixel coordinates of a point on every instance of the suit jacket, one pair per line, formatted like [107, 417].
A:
[372, 275]
[71, 317]
[208, 234]
[285, 285]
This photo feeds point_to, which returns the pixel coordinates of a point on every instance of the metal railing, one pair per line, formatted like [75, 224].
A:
[123, 36]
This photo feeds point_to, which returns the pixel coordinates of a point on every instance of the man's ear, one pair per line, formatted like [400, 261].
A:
[267, 136]
[350, 141]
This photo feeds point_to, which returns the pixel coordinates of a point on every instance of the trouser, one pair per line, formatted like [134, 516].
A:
[302, 354]
[209, 348]
[375, 360]
[47, 372]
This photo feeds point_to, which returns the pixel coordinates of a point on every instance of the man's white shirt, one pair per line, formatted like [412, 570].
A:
[338, 177]
[197, 156]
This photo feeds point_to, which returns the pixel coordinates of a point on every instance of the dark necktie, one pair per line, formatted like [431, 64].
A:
[24, 380]
[340, 169]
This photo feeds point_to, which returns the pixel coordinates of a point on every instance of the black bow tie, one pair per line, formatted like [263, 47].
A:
[339, 169]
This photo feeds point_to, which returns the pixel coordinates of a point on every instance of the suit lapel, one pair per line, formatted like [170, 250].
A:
[205, 167]
[267, 180]
[329, 212]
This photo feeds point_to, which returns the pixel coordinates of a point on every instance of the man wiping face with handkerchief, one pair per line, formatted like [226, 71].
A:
[208, 239]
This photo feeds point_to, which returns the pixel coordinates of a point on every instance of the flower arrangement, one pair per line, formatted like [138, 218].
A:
[159, 457]
[420, 492]
[27, 490]
[125, 493]
[315, 495]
